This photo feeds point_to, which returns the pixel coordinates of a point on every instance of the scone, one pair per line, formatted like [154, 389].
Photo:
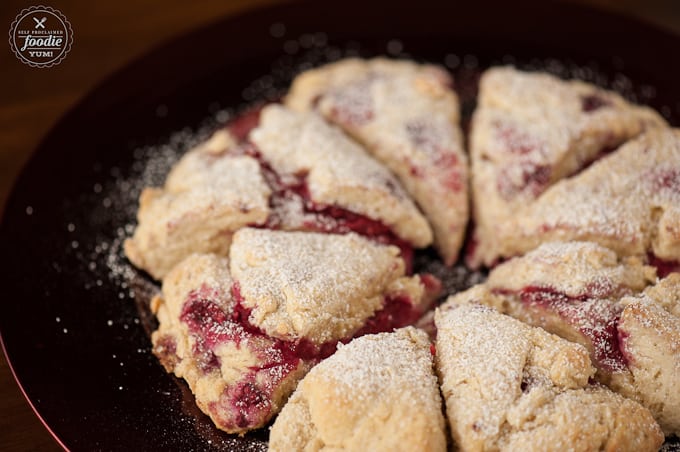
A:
[239, 376]
[242, 331]
[292, 172]
[209, 194]
[377, 393]
[322, 288]
[320, 170]
[533, 131]
[407, 116]
[510, 386]
[614, 307]
[629, 201]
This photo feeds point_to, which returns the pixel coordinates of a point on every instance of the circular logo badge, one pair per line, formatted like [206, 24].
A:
[40, 36]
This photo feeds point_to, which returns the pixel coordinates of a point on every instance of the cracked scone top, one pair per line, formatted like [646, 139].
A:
[615, 307]
[531, 131]
[407, 116]
[377, 393]
[510, 386]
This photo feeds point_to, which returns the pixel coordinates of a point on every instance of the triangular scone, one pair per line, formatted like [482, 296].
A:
[243, 331]
[322, 287]
[239, 377]
[377, 393]
[629, 201]
[531, 130]
[333, 170]
[407, 116]
[209, 194]
[614, 307]
[510, 386]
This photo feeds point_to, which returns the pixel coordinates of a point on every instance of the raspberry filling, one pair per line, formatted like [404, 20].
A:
[664, 180]
[241, 126]
[426, 137]
[663, 267]
[292, 207]
[595, 318]
[398, 311]
[593, 102]
[247, 400]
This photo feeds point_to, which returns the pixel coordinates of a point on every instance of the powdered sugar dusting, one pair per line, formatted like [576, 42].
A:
[319, 286]
[511, 386]
[382, 381]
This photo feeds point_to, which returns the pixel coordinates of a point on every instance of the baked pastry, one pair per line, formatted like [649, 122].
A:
[293, 172]
[242, 331]
[407, 116]
[324, 167]
[239, 377]
[614, 307]
[377, 393]
[649, 337]
[323, 287]
[510, 386]
[628, 201]
[532, 134]
[209, 194]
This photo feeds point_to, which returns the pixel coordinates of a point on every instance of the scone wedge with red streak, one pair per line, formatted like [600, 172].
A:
[407, 116]
[615, 307]
[378, 393]
[532, 131]
[323, 288]
[243, 330]
[628, 201]
[325, 181]
[509, 386]
[210, 193]
[285, 170]
[239, 377]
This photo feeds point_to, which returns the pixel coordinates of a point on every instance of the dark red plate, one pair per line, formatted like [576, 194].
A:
[71, 329]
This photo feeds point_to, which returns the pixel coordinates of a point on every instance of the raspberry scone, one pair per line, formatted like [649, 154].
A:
[208, 195]
[297, 173]
[510, 386]
[530, 131]
[377, 393]
[327, 170]
[407, 116]
[614, 307]
[628, 201]
[242, 331]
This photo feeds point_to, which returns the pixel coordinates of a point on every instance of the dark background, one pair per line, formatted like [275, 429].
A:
[107, 36]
